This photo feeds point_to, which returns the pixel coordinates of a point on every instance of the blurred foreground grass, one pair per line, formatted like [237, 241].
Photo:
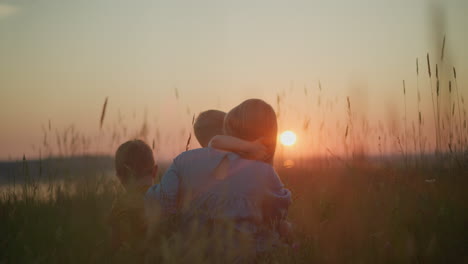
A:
[355, 214]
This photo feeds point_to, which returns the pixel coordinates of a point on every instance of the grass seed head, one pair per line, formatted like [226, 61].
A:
[417, 66]
[428, 65]
[443, 49]
[103, 113]
[404, 88]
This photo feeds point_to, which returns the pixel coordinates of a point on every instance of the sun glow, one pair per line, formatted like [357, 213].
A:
[288, 138]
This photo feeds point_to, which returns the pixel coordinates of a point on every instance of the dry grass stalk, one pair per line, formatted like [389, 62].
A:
[419, 108]
[406, 134]
[103, 113]
[460, 133]
[433, 103]
[417, 66]
[187, 147]
[438, 106]
[443, 49]
[429, 65]
[404, 87]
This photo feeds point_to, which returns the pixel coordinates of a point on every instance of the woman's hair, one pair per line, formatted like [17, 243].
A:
[251, 120]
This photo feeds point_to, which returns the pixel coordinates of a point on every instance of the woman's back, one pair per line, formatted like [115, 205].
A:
[246, 193]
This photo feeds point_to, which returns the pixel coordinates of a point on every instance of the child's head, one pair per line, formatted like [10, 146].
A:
[134, 163]
[207, 125]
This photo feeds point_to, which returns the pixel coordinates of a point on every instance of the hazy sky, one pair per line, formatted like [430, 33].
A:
[60, 59]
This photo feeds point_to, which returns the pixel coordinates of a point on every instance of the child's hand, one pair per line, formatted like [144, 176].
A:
[255, 151]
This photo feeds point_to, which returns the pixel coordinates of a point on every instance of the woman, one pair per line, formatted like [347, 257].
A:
[243, 201]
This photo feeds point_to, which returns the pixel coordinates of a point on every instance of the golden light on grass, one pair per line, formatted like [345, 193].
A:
[288, 138]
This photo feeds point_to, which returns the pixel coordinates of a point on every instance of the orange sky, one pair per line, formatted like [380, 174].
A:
[60, 60]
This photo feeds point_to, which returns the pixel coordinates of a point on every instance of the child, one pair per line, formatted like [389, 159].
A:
[207, 125]
[136, 169]
[217, 189]
[208, 129]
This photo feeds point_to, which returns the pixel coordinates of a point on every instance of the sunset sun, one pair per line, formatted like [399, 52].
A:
[288, 138]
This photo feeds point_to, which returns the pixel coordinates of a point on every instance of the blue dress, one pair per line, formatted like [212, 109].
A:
[251, 195]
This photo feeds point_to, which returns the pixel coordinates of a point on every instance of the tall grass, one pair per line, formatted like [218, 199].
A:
[406, 121]
[362, 214]
[436, 126]
[461, 132]
[419, 114]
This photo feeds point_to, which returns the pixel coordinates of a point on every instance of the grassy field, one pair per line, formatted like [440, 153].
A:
[354, 205]
[349, 214]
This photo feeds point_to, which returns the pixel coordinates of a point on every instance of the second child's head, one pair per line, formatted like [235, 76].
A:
[134, 163]
[207, 125]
